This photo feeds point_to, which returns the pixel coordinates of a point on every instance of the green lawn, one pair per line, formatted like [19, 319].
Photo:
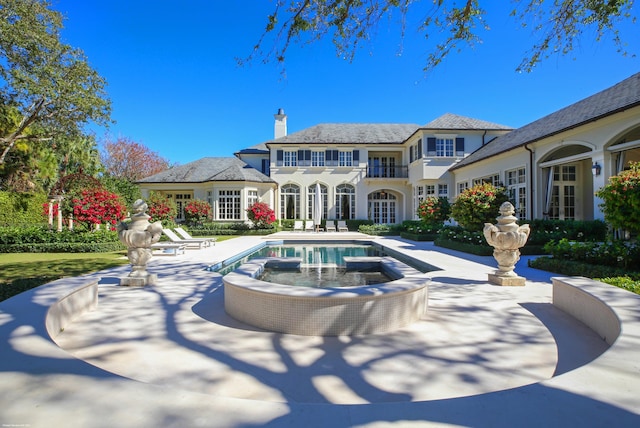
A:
[22, 271]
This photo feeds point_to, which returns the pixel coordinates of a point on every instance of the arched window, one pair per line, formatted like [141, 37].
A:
[311, 194]
[290, 201]
[345, 202]
[382, 207]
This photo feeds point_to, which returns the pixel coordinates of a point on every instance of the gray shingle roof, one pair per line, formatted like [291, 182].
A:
[350, 133]
[621, 96]
[456, 122]
[209, 169]
[257, 149]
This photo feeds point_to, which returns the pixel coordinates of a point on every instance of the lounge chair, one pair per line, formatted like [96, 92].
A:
[191, 243]
[298, 226]
[342, 226]
[330, 226]
[169, 248]
[308, 226]
[185, 235]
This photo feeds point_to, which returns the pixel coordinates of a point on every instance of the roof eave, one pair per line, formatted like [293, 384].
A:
[551, 134]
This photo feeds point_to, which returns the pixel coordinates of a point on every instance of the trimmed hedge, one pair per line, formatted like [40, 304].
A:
[39, 239]
[63, 247]
[478, 250]
[226, 229]
[574, 268]
[21, 208]
[419, 236]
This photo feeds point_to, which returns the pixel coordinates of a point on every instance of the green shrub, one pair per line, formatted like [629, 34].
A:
[380, 229]
[478, 205]
[574, 268]
[434, 210]
[543, 231]
[621, 199]
[21, 208]
[610, 253]
[39, 239]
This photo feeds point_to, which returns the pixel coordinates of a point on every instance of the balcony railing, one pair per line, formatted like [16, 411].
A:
[387, 172]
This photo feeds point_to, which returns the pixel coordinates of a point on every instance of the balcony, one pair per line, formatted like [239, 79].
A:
[387, 172]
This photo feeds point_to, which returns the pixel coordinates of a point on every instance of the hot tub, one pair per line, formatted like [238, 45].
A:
[332, 311]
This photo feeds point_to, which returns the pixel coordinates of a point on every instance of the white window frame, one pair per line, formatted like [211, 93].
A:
[317, 158]
[445, 147]
[290, 158]
[229, 204]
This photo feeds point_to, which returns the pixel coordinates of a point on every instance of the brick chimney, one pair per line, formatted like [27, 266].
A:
[280, 128]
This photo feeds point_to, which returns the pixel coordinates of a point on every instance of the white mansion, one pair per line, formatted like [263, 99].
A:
[552, 166]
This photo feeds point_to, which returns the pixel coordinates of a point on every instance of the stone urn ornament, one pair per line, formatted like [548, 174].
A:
[138, 235]
[506, 238]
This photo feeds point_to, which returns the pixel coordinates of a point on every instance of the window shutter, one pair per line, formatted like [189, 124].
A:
[431, 144]
[460, 144]
[279, 157]
[356, 156]
[420, 149]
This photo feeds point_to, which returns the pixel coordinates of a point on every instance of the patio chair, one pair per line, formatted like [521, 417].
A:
[330, 226]
[191, 243]
[298, 226]
[308, 226]
[168, 248]
[342, 226]
[185, 235]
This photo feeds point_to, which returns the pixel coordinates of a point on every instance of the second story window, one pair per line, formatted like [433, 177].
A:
[290, 158]
[317, 158]
[444, 147]
[415, 151]
[345, 158]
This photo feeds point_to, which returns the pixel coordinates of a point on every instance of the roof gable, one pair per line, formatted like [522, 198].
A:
[451, 121]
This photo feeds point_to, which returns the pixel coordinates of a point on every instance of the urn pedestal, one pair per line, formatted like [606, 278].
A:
[506, 238]
[138, 235]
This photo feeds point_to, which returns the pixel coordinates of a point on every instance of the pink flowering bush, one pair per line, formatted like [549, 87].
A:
[261, 215]
[621, 200]
[478, 205]
[197, 211]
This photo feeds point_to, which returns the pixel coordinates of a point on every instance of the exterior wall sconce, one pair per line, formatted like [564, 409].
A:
[596, 169]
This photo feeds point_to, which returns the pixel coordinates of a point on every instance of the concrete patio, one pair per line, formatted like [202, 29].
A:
[169, 356]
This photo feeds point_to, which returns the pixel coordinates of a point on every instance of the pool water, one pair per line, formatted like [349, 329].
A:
[323, 277]
[309, 253]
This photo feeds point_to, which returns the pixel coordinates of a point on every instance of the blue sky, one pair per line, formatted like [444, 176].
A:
[176, 87]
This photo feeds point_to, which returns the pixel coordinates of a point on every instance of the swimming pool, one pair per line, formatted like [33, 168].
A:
[316, 253]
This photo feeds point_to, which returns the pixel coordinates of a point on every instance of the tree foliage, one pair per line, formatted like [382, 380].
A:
[557, 24]
[621, 199]
[124, 158]
[478, 205]
[48, 85]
